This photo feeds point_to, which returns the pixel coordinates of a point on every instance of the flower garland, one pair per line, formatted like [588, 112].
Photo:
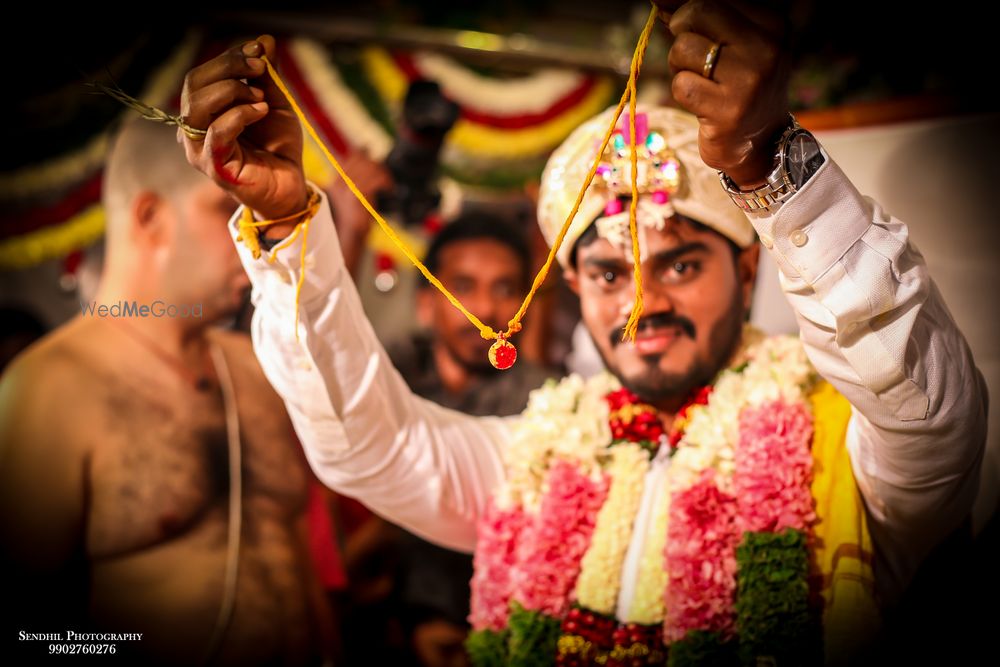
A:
[337, 101]
[565, 421]
[701, 559]
[47, 243]
[722, 564]
[553, 541]
[483, 140]
[774, 468]
[498, 533]
[597, 586]
[533, 93]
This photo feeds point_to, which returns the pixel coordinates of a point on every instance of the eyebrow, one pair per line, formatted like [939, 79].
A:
[663, 256]
[681, 250]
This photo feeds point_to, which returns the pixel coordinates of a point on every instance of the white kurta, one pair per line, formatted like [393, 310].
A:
[873, 323]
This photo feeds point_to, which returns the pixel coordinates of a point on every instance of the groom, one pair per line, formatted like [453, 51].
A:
[718, 444]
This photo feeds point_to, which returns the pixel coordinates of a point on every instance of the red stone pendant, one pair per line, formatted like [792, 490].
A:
[502, 354]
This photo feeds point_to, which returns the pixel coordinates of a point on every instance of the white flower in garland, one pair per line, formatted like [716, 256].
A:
[600, 570]
[786, 372]
[567, 420]
[533, 93]
[711, 431]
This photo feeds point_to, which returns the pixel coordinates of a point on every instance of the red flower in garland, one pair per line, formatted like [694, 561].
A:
[632, 420]
[596, 639]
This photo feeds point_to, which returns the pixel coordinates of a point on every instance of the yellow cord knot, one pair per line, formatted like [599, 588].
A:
[250, 236]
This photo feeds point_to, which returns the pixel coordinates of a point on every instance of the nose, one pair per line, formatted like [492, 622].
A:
[656, 297]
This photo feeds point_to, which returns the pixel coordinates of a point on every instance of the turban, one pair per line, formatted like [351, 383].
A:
[672, 179]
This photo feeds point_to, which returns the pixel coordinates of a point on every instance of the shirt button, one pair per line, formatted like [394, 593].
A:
[305, 365]
[767, 241]
[798, 238]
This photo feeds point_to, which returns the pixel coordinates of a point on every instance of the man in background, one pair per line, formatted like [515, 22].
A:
[410, 586]
[150, 481]
[485, 262]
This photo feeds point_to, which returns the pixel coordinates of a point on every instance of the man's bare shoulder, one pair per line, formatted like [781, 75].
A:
[44, 389]
[50, 364]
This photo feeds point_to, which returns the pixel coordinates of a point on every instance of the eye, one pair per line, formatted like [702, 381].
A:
[680, 271]
[608, 278]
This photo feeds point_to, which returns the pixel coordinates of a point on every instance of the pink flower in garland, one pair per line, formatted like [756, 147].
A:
[552, 544]
[701, 560]
[496, 544]
[773, 468]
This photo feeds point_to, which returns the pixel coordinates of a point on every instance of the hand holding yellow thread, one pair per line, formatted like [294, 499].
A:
[253, 149]
[253, 144]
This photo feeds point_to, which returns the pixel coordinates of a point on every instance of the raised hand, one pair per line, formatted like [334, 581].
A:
[253, 145]
[740, 91]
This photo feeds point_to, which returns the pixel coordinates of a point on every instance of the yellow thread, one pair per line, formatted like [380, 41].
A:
[248, 234]
[543, 273]
[248, 228]
[633, 319]
[485, 331]
[250, 237]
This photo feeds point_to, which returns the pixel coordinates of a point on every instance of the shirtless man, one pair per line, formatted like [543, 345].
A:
[115, 452]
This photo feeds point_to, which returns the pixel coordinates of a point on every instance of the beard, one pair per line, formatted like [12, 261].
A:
[656, 386]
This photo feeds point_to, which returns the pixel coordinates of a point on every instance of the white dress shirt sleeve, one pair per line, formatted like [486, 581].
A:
[874, 325]
[364, 433]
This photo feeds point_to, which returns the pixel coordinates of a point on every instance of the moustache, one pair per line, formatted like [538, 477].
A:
[657, 321]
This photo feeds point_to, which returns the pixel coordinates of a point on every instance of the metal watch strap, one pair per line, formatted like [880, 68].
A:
[761, 198]
[777, 187]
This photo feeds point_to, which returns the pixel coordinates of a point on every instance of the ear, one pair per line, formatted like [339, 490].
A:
[424, 311]
[147, 222]
[746, 267]
[572, 278]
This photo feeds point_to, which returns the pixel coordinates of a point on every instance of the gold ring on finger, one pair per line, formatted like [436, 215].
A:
[193, 133]
[710, 60]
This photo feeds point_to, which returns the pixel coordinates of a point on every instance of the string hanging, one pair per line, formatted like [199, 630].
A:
[502, 354]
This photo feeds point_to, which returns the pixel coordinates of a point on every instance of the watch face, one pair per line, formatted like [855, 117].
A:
[802, 157]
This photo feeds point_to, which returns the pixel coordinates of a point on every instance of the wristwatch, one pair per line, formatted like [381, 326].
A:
[797, 159]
